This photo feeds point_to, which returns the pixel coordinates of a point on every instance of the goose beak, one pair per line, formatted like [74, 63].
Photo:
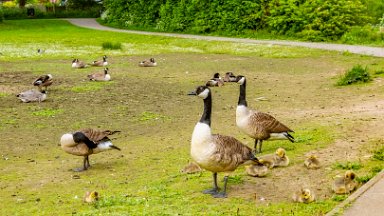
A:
[192, 93]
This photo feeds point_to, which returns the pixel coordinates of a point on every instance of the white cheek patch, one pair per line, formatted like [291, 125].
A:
[241, 81]
[204, 94]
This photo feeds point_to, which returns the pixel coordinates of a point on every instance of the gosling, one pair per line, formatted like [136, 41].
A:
[304, 196]
[345, 184]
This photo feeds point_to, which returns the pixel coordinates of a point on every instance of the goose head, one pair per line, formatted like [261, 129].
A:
[349, 175]
[201, 91]
[280, 152]
[240, 79]
[306, 194]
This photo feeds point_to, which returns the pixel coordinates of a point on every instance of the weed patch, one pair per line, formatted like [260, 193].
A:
[379, 154]
[112, 46]
[357, 74]
[47, 112]
[348, 165]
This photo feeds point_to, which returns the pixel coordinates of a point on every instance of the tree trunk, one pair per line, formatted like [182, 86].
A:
[22, 3]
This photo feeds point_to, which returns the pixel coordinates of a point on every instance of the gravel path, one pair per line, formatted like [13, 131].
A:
[363, 50]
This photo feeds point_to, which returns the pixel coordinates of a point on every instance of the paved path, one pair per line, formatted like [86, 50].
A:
[368, 199]
[363, 50]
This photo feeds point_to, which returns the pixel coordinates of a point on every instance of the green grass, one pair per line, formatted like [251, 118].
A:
[151, 108]
[357, 74]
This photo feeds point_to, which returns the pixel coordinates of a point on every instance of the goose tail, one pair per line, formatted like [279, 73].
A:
[289, 137]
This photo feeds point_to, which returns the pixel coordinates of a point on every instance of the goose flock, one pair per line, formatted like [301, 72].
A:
[213, 152]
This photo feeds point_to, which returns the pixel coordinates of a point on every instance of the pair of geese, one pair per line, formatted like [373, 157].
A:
[218, 81]
[39, 95]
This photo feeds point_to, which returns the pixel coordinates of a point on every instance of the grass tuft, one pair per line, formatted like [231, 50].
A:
[348, 165]
[357, 74]
[47, 112]
[379, 154]
[112, 46]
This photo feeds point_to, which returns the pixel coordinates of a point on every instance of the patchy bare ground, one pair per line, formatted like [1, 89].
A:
[150, 107]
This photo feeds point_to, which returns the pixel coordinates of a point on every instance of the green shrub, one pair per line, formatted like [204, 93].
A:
[1, 14]
[111, 46]
[363, 35]
[357, 74]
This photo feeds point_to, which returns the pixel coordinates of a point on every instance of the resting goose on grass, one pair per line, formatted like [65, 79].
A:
[214, 152]
[258, 125]
[215, 81]
[100, 63]
[100, 76]
[32, 95]
[76, 63]
[43, 82]
[86, 142]
[148, 63]
[229, 77]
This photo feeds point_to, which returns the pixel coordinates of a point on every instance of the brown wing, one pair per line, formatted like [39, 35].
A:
[94, 134]
[96, 76]
[268, 123]
[230, 152]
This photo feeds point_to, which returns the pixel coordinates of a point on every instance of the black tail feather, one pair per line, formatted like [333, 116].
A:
[289, 137]
[115, 147]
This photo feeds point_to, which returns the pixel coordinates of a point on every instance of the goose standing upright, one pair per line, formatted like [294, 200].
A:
[86, 142]
[43, 82]
[258, 125]
[214, 152]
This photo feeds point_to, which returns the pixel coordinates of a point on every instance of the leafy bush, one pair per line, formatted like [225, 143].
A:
[112, 46]
[1, 14]
[357, 74]
[363, 35]
[316, 20]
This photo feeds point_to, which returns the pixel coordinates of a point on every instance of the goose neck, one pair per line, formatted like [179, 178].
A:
[242, 95]
[206, 117]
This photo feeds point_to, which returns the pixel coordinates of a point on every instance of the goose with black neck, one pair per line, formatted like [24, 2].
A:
[258, 125]
[215, 152]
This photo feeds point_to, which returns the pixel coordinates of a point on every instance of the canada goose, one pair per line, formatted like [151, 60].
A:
[345, 184]
[100, 63]
[258, 125]
[100, 76]
[214, 152]
[192, 167]
[311, 162]
[85, 142]
[91, 197]
[279, 158]
[229, 77]
[304, 196]
[76, 63]
[148, 63]
[215, 81]
[32, 95]
[40, 51]
[43, 81]
[257, 170]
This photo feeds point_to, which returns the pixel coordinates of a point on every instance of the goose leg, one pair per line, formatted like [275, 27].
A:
[215, 189]
[255, 148]
[88, 165]
[84, 165]
[260, 144]
[222, 194]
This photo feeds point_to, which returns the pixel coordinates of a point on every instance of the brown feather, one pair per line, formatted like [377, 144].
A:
[263, 124]
[230, 152]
